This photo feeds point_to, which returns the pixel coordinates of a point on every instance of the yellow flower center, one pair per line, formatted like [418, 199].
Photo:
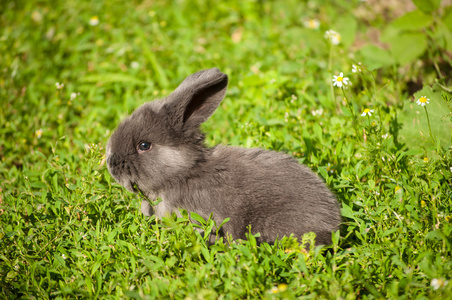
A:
[339, 79]
[312, 23]
[282, 287]
[422, 99]
[366, 110]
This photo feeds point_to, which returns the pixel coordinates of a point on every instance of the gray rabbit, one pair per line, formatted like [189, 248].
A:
[159, 150]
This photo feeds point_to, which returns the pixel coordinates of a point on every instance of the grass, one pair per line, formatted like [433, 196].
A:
[67, 230]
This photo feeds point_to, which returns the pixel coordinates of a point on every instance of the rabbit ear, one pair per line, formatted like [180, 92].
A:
[197, 97]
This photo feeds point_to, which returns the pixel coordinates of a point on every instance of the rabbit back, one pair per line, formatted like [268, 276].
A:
[269, 191]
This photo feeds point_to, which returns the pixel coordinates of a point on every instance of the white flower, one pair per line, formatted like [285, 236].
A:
[340, 80]
[367, 112]
[329, 168]
[73, 96]
[312, 24]
[317, 112]
[385, 136]
[134, 65]
[36, 16]
[63, 256]
[59, 86]
[94, 21]
[423, 101]
[451, 169]
[356, 69]
[276, 289]
[38, 133]
[438, 283]
[333, 36]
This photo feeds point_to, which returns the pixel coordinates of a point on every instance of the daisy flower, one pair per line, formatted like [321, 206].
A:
[312, 24]
[423, 101]
[38, 133]
[367, 112]
[317, 112]
[438, 283]
[94, 21]
[59, 86]
[134, 65]
[36, 16]
[340, 80]
[276, 289]
[333, 36]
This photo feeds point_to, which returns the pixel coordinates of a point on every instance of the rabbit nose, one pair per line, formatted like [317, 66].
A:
[113, 160]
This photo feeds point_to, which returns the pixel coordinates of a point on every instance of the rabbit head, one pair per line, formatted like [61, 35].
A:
[161, 141]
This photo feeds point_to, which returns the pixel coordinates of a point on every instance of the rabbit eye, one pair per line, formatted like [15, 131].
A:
[143, 147]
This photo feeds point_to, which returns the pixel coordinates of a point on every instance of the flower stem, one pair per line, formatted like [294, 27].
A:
[330, 64]
[429, 128]
[351, 110]
[348, 103]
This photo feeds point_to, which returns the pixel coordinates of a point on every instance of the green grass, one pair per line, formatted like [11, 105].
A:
[67, 230]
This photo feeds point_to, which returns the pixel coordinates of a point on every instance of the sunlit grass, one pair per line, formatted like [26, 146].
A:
[71, 71]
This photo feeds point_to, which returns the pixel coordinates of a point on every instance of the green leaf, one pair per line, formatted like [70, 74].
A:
[205, 252]
[413, 20]
[318, 132]
[374, 57]
[402, 154]
[443, 36]
[221, 225]
[435, 234]
[390, 231]
[347, 211]
[244, 250]
[447, 19]
[427, 6]
[415, 130]
[323, 172]
[408, 46]
[278, 261]
[346, 26]
[60, 260]
[96, 265]
[198, 218]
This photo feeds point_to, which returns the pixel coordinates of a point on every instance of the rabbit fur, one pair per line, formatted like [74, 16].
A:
[268, 190]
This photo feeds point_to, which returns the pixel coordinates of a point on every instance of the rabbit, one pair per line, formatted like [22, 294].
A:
[159, 151]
